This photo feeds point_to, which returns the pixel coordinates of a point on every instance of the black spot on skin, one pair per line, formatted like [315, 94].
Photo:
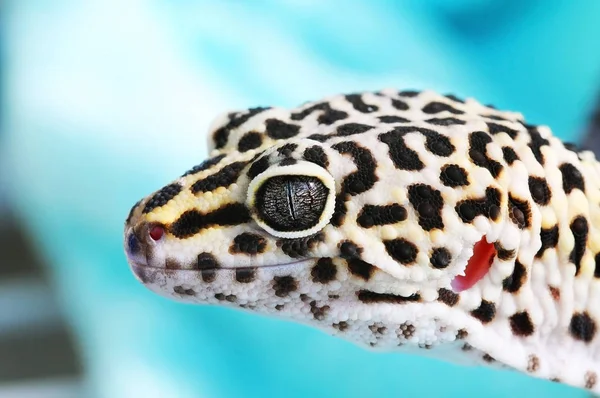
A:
[171, 263]
[554, 292]
[331, 116]
[591, 378]
[207, 263]
[409, 93]
[364, 178]
[192, 221]
[428, 204]
[339, 212]
[435, 142]
[509, 154]
[454, 98]
[324, 271]
[495, 128]
[502, 253]
[488, 358]
[284, 285]
[445, 121]
[540, 192]
[549, 237]
[250, 140]
[448, 297]
[322, 106]
[258, 167]
[533, 364]
[357, 182]
[280, 307]
[401, 250]
[440, 258]
[208, 275]
[182, 291]
[495, 117]
[287, 150]
[161, 197]
[220, 296]
[571, 146]
[315, 154]
[582, 327]
[352, 128]
[319, 313]
[319, 137]
[437, 107]
[477, 151]
[358, 104]
[572, 178]
[403, 157]
[232, 298]
[536, 143]
[371, 215]
[222, 178]
[341, 326]
[300, 247]
[521, 325]
[287, 162]
[485, 312]
[406, 330]
[519, 212]
[597, 267]
[393, 119]
[205, 165]
[350, 250]
[245, 275]
[452, 175]
[400, 105]
[513, 283]
[361, 268]
[369, 297]
[221, 135]
[248, 243]
[377, 328]
[280, 130]
[579, 228]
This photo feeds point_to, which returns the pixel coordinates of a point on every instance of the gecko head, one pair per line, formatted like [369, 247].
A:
[316, 227]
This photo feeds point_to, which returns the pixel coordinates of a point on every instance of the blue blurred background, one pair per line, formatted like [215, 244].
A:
[105, 101]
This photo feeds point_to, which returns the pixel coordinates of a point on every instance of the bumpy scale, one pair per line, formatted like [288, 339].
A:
[397, 220]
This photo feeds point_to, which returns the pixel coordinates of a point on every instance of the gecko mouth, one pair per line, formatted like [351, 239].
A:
[477, 267]
[292, 264]
[150, 274]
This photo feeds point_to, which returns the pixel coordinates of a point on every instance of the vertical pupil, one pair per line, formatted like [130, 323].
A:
[291, 202]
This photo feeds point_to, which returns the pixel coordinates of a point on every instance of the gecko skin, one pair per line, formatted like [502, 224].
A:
[396, 220]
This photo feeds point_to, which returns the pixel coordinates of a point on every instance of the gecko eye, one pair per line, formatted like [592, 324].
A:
[292, 201]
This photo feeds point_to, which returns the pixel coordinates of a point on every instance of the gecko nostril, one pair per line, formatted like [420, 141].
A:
[156, 232]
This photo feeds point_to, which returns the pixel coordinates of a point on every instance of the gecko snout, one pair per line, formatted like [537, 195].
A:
[139, 239]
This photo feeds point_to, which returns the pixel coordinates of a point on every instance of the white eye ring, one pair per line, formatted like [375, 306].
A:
[300, 169]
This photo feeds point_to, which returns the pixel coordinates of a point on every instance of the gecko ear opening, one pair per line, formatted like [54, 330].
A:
[292, 201]
[477, 267]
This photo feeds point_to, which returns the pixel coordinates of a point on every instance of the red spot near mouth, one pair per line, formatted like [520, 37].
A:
[478, 265]
[156, 232]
